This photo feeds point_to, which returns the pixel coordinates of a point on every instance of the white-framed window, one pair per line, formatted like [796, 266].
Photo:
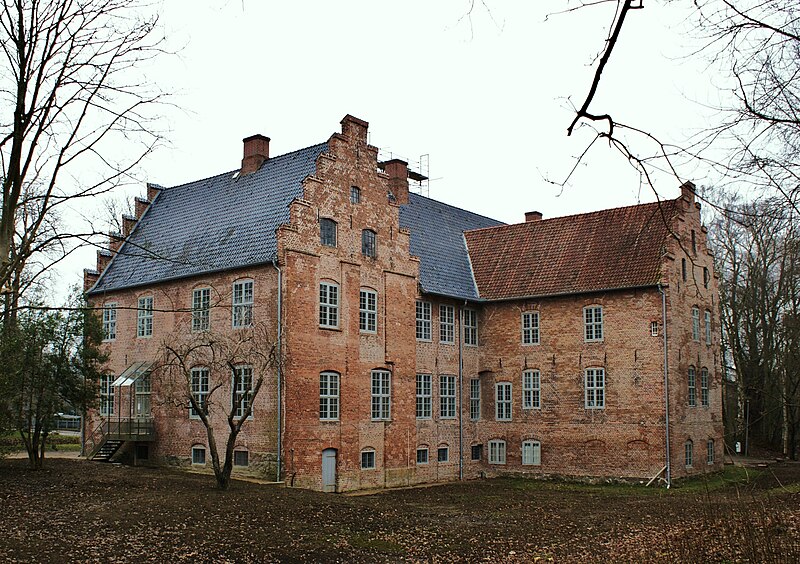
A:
[369, 245]
[198, 455]
[704, 387]
[447, 323]
[107, 394]
[243, 389]
[710, 451]
[423, 321]
[470, 327]
[530, 328]
[443, 454]
[381, 395]
[692, 387]
[531, 389]
[708, 327]
[110, 321]
[595, 388]
[531, 453]
[474, 399]
[329, 396]
[242, 313]
[593, 323]
[200, 381]
[355, 195]
[447, 397]
[368, 311]
[503, 401]
[142, 396]
[328, 305]
[327, 232]
[368, 459]
[497, 452]
[476, 452]
[241, 458]
[688, 453]
[144, 317]
[201, 309]
[654, 328]
[695, 324]
[424, 396]
[422, 455]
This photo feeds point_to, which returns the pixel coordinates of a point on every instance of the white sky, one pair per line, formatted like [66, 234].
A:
[487, 102]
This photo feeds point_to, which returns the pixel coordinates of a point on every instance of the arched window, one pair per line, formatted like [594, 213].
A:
[327, 232]
[329, 396]
[692, 387]
[328, 304]
[531, 453]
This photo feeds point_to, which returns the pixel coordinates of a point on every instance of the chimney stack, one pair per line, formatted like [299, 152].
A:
[398, 179]
[533, 216]
[256, 151]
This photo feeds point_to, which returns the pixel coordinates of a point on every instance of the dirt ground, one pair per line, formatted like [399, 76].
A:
[78, 511]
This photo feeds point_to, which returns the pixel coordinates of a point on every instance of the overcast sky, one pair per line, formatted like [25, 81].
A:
[487, 97]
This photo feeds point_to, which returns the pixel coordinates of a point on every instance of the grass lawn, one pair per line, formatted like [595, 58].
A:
[77, 511]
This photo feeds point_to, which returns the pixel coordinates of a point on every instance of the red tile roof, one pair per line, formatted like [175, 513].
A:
[604, 250]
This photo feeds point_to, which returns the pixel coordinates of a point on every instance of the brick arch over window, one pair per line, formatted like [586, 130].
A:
[595, 453]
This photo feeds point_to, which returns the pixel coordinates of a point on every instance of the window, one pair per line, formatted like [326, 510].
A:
[201, 309]
[328, 305]
[423, 396]
[694, 242]
[368, 311]
[110, 321]
[706, 277]
[381, 395]
[243, 388]
[683, 269]
[422, 456]
[243, 303]
[199, 390]
[595, 390]
[106, 394]
[142, 396]
[368, 460]
[327, 232]
[692, 387]
[447, 397]
[531, 453]
[476, 452]
[708, 327]
[503, 401]
[368, 244]
[695, 324]
[531, 390]
[497, 452]
[593, 323]
[470, 327]
[710, 451]
[240, 458]
[474, 399]
[530, 328]
[447, 323]
[423, 321]
[198, 455]
[443, 454]
[329, 396]
[355, 195]
[688, 449]
[654, 328]
[704, 387]
[144, 317]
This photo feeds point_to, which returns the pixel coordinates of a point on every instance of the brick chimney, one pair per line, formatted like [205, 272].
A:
[398, 179]
[533, 216]
[256, 151]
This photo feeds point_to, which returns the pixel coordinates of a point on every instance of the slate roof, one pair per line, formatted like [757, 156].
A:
[604, 250]
[437, 238]
[213, 224]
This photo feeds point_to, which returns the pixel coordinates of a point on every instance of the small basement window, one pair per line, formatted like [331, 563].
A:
[198, 455]
[240, 458]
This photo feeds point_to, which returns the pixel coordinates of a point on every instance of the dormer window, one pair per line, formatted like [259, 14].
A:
[327, 232]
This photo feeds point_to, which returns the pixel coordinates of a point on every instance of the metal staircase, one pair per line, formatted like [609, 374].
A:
[111, 434]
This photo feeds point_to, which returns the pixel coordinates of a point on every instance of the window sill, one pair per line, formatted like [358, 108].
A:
[330, 328]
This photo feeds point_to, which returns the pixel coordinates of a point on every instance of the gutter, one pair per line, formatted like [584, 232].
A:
[668, 467]
[280, 366]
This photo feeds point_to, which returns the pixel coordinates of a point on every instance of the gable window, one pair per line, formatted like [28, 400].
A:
[497, 452]
[593, 323]
[654, 328]
[327, 232]
[199, 376]
[368, 243]
[531, 453]
[144, 317]
[422, 456]
[355, 195]
[198, 455]
[368, 460]
[595, 389]
[476, 452]
[381, 395]
[329, 396]
[692, 387]
[531, 390]
[243, 389]
[110, 321]
[328, 305]
[423, 396]
[243, 303]
[201, 309]
[470, 327]
[503, 401]
[708, 327]
[368, 311]
[423, 321]
[106, 394]
[695, 324]
[688, 453]
[710, 451]
[474, 399]
[704, 387]
[240, 458]
[530, 328]
[447, 323]
[447, 397]
[442, 454]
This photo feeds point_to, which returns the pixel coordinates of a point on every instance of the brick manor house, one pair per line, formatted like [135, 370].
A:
[419, 342]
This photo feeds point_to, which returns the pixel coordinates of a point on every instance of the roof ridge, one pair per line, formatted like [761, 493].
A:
[459, 209]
